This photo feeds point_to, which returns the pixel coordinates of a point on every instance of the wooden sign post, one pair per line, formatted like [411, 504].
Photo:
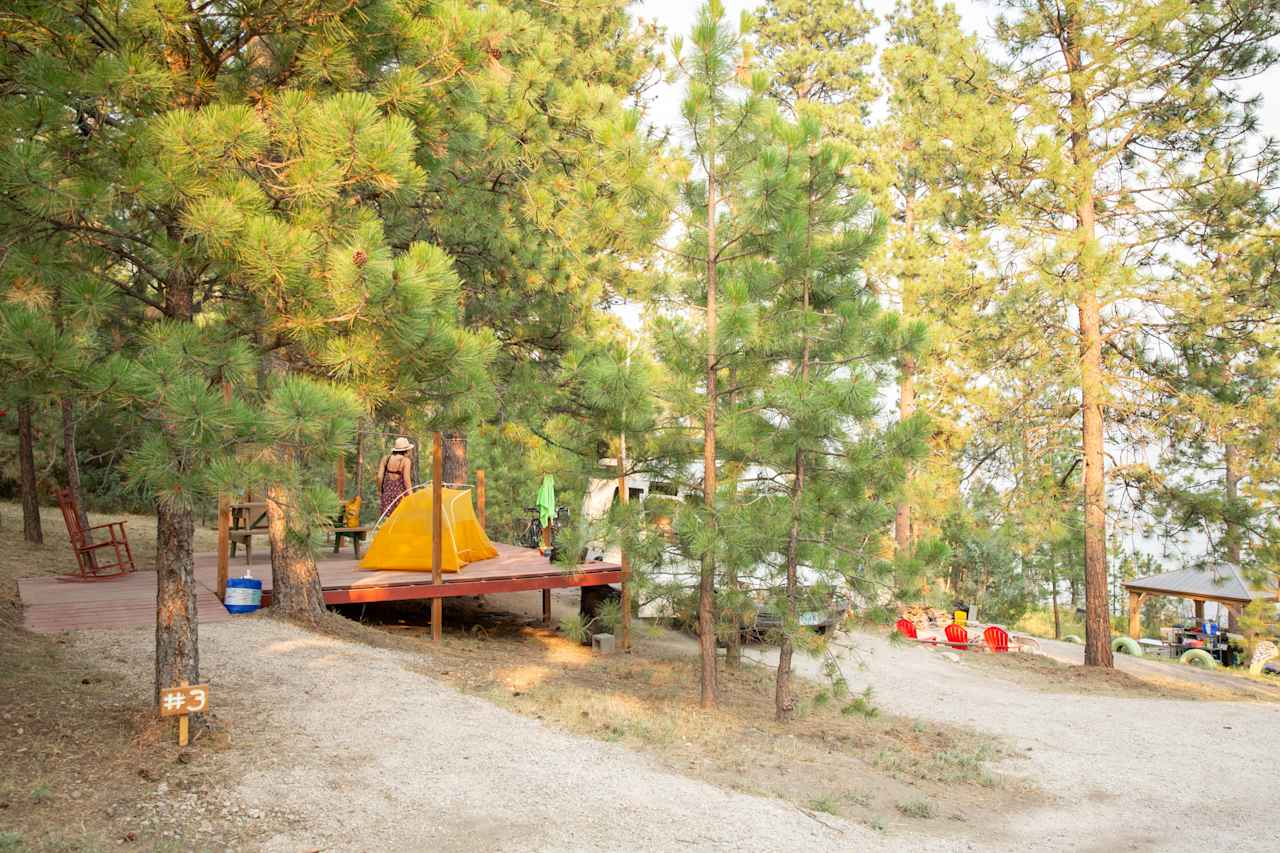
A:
[182, 701]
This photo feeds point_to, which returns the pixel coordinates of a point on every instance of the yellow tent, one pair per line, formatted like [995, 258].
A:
[403, 542]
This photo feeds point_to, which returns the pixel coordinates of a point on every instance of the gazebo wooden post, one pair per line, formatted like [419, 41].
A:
[224, 543]
[480, 497]
[437, 532]
[1199, 604]
[624, 498]
[1135, 613]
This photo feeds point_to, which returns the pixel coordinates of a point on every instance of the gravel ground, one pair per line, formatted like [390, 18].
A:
[339, 746]
[1126, 773]
[351, 750]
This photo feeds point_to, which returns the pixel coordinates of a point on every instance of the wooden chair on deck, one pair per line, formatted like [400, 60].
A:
[94, 562]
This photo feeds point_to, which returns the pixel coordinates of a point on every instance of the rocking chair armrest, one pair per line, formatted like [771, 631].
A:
[92, 545]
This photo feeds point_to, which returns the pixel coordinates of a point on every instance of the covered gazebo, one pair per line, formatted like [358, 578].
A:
[1221, 583]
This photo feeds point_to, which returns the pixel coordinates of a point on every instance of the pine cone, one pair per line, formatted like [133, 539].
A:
[360, 258]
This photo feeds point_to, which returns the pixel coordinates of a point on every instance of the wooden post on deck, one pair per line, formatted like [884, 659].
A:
[1135, 614]
[224, 525]
[480, 499]
[342, 478]
[624, 498]
[437, 531]
[224, 543]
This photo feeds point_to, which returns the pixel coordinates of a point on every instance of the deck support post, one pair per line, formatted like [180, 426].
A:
[437, 532]
[1135, 614]
[624, 497]
[342, 479]
[546, 607]
[224, 543]
[480, 498]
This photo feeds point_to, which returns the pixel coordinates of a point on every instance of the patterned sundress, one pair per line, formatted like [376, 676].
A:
[393, 487]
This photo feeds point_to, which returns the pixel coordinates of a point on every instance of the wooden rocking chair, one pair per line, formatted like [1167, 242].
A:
[93, 561]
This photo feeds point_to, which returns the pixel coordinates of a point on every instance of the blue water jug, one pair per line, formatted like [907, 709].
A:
[244, 595]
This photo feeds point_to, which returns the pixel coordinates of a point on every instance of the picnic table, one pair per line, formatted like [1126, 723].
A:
[248, 519]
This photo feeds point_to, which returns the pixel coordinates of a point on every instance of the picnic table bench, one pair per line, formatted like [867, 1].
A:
[357, 536]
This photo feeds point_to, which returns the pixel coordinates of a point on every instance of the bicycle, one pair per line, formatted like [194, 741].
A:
[531, 536]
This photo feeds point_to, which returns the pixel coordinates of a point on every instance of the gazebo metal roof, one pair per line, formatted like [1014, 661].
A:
[1220, 582]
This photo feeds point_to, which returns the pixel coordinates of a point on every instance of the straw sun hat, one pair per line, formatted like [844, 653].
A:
[402, 444]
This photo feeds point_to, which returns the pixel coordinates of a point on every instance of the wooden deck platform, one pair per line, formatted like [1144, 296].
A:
[52, 604]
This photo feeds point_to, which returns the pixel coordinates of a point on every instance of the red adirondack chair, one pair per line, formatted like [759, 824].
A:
[957, 636]
[95, 564]
[996, 638]
[906, 628]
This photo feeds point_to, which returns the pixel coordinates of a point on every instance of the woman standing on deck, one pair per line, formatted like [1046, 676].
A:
[393, 474]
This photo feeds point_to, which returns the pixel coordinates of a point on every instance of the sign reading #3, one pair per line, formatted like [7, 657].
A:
[176, 701]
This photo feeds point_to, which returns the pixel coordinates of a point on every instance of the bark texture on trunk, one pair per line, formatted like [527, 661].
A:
[906, 408]
[295, 582]
[1231, 460]
[455, 458]
[707, 578]
[177, 623]
[31, 528]
[902, 538]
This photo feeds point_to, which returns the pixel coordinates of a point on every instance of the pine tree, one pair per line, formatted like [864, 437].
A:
[1116, 100]
[173, 383]
[723, 104]
[823, 346]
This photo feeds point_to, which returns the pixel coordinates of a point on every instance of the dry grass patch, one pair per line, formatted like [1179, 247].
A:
[1046, 673]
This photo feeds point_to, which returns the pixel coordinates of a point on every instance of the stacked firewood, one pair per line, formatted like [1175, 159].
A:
[923, 616]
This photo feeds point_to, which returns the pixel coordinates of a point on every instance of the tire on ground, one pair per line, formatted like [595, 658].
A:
[1073, 639]
[1198, 657]
[1126, 645]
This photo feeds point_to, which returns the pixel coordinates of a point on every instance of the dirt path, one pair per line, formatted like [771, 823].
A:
[1128, 773]
[341, 746]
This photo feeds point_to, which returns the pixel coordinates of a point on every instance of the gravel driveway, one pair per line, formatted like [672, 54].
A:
[1127, 773]
[346, 748]
[340, 746]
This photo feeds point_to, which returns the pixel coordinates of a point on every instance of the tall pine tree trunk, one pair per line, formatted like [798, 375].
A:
[177, 620]
[784, 698]
[906, 397]
[455, 458]
[296, 594]
[906, 408]
[707, 578]
[1053, 589]
[1231, 460]
[31, 529]
[177, 623]
[1231, 483]
[1097, 651]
